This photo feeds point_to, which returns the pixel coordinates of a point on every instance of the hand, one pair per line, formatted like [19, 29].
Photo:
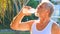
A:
[26, 11]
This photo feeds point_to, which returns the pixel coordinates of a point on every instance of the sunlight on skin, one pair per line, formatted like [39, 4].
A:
[27, 25]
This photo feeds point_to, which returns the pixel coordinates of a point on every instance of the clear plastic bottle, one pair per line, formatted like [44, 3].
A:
[32, 10]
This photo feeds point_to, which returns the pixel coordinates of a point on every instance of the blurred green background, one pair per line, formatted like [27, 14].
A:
[10, 8]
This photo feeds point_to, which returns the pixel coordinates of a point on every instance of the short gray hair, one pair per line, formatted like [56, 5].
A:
[50, 7]
[47, 6]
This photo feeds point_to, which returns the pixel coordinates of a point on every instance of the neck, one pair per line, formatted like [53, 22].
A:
[42, 20]
[42, 24]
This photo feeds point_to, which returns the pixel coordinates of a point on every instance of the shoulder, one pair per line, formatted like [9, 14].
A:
[55, 26]
[55, 29]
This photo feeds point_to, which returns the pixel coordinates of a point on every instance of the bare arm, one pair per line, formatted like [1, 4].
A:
[16, 23]
[55, 29]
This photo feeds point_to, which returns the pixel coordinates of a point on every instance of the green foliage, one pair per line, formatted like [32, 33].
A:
[8, 15]
[33, 3]
[11, 11]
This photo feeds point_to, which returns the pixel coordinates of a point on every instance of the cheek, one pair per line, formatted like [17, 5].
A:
[44, 15]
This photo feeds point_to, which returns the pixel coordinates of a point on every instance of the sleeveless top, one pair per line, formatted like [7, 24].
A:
[46, 30]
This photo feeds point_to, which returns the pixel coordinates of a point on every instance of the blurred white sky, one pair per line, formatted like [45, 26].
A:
[56, 11]
[55, 0]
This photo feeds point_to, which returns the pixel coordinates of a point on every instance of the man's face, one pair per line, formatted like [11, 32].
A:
[42, 11]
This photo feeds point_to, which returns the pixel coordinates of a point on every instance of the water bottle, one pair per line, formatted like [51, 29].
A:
[32, 10]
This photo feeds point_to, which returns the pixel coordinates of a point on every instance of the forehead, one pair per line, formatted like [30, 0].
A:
[41, 6]
[44, 6]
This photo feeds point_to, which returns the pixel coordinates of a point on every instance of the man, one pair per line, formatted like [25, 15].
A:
[44, 25]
